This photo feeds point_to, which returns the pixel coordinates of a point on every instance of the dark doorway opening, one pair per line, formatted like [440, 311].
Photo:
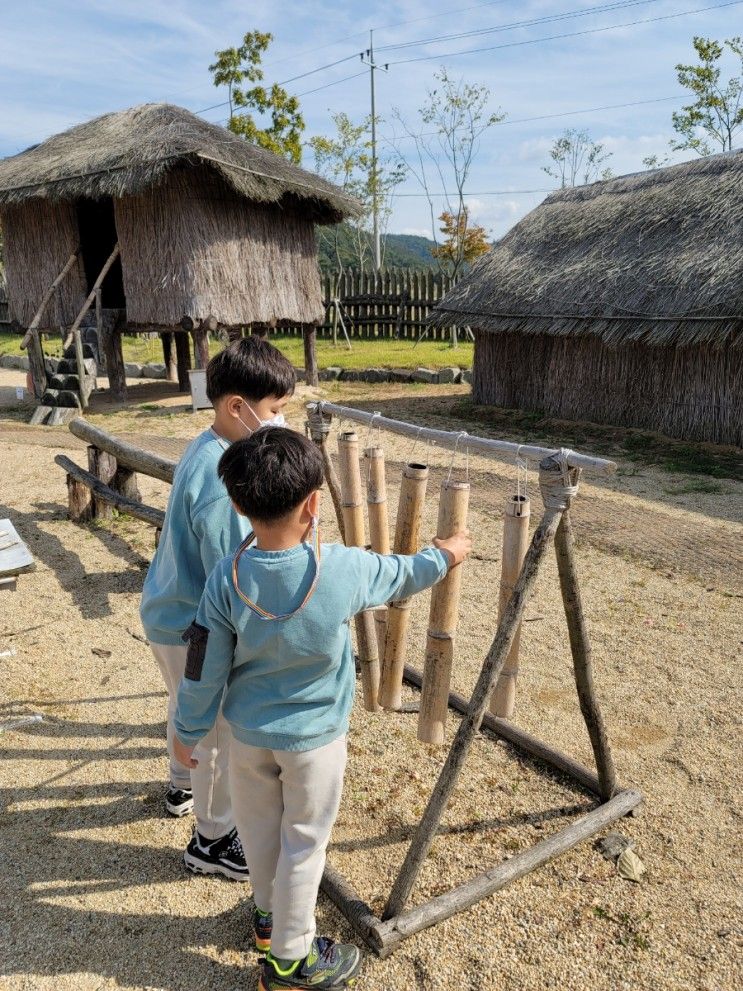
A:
[97, 227]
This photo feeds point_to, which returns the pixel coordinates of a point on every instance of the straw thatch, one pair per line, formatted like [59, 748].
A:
[620, 302]
[192, 247]
[38, 238]
[126, 153]
[207, 224]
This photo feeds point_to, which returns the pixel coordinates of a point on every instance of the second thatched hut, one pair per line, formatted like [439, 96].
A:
[620, 302]
[210, 230]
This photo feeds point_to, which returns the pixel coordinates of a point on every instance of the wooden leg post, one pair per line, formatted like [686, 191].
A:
[470, 724]
[79, 500]
[353, 515]
[515, 543]
[379, 527]
[169, 359]
[183, 359]
[407, 541]
[309, 333]
[36, 364]
[201, 346]
[113, 347]
[442, 622]
[104, 467]
[581, 650]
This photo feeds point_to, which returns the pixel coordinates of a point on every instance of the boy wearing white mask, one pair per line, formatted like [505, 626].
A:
[248, 383]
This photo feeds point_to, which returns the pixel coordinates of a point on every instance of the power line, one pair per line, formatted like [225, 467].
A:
[571, 34]
[532, 22]
[320, 68]
[334, 83]
[491, 192]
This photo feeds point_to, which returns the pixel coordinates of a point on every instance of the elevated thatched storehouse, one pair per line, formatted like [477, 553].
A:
[620, 302]
[208, 226]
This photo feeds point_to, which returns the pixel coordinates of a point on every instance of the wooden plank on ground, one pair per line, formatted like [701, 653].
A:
[15, 557]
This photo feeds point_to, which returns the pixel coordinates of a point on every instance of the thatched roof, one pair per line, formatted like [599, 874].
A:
[654, 257]
[125, 153]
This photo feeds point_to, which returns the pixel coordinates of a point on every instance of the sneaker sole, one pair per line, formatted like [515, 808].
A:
[348, 982]
[197, 866]
[178, 811]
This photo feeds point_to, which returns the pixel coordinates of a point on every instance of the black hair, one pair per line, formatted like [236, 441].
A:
[252, 368]
[270, 473]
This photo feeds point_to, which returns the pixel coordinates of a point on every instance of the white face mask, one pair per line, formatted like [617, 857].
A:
[274, 421]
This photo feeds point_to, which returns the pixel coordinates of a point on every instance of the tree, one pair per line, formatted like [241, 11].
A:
[655, 161]
[463, 242]
[577, 159]
[454, 117]
[346, 160]
[716, 115]
[236, 66]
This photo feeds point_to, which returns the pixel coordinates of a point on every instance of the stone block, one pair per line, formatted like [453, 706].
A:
[67, 397]
[132, 370]
[62, 414]
[351, 375]
[401, 375]
[424, 375]
[23, 363]
[154, 371]
[40, 414]
[51, 365]
[57, 381]
[376, 375]
[447, 375]
[10, 361]
[50, 397]
[467, 376]
[330, 374]
[88, 352]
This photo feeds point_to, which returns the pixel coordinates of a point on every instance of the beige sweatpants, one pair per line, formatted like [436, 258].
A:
[285, 805]
[210, 780]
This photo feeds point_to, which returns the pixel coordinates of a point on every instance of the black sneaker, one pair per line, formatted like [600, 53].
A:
[262, 926]
[328, 966]
[222, 856]
[178, 801]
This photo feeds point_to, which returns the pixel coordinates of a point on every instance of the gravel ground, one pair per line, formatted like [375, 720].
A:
[96, 896]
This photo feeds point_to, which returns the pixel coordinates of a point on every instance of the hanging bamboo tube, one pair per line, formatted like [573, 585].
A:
[515, 544]
[442, 621]
[379, 527]
[353, 524]
[407, 541]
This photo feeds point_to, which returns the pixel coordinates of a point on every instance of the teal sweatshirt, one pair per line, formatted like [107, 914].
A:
[288, 684]
[200, 528]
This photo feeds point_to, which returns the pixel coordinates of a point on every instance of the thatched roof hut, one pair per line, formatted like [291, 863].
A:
[207, 224]
[619, 302]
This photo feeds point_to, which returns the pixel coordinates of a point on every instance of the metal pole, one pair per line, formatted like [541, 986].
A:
[375, 198]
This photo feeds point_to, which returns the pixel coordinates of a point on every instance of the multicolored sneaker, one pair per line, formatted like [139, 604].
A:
[178, 801]
[262, 926]
[328, 966]
[221, 856]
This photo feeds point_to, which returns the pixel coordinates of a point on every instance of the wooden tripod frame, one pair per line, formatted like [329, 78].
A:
[558, 485]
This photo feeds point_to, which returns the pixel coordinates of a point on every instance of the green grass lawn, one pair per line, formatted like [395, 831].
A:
[364, 354]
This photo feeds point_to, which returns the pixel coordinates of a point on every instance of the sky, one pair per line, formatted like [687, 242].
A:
[66, 61]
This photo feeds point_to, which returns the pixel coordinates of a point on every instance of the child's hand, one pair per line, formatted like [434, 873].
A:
[182, 754]
[456, 548]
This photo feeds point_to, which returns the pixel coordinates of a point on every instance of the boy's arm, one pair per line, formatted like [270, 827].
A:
[211, 649]
[389, 577]
[219, 530]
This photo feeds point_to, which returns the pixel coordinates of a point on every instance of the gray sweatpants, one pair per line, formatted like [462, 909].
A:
[285, 804]
[210, 780]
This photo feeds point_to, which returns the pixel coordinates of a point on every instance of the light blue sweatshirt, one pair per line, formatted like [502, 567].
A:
[200, 528]
[288, 684]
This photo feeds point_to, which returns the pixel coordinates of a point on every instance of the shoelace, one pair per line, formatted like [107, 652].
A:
[325, 946]
[236, 846]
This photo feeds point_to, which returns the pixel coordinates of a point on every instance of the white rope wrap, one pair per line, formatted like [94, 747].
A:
[558, 482]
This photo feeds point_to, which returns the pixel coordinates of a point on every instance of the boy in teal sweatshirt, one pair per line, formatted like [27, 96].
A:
[248, 384]
[271, 645]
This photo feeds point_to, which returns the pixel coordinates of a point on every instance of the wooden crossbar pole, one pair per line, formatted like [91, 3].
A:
[90, 299]
[33, 326]
[379, 526]
[582, 665]
[470, 724]
[442, 621]
[407, 541]
[515, 543]
[349, 467]
[319, 428]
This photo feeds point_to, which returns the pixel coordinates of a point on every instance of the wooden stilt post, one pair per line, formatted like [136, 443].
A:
[309, 332]
[407, 541]
[581, 650]
[80, 361]
[201, 346]
[353, 515]
[379, 526]
[183, 359]
[515, 543]
[442, 623]
[36, 364]
[169, 359]
[114, 351]
[79, 500]
[470, 724]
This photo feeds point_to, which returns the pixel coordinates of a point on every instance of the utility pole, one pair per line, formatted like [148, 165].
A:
[368, 59]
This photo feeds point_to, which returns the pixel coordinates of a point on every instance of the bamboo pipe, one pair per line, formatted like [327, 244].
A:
[379, 526]
[407, 541]
[515, 544]
[442, 621]
[353, 524]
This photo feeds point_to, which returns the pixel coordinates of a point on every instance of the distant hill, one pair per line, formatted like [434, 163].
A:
[400, 250]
